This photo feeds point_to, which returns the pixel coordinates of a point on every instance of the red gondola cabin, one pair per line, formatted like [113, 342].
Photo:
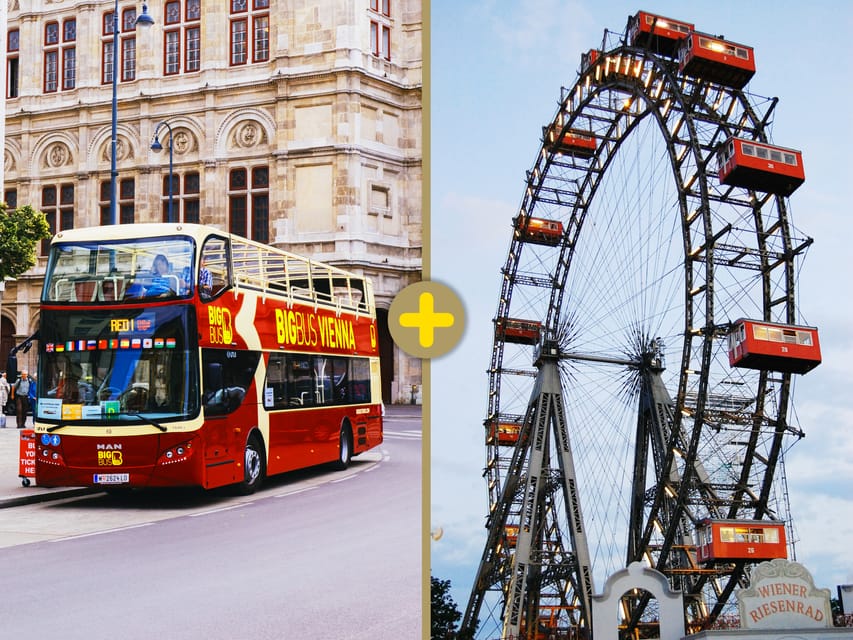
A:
[578, 143]
[588, 59]
[656, 33]
[760, 166]
[709, 58]
[518, 331]
[504, 432]
[511, 535]
[731, 540]
[539, 230]
[754, 344]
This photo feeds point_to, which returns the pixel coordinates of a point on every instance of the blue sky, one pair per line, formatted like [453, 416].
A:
[496, 72]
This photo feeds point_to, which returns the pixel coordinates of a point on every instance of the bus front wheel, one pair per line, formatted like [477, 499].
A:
[253, 466]
[344, 449]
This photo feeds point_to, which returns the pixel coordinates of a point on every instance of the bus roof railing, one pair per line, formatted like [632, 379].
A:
[278, 272]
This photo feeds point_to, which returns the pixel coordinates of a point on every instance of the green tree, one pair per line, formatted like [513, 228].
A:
[20, 230]
[443, 613]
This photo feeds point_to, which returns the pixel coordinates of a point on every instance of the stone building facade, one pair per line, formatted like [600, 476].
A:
[290, 122]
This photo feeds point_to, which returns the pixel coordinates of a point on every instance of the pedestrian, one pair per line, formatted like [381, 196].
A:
[21, 393]
[32, 396]
[5, 389]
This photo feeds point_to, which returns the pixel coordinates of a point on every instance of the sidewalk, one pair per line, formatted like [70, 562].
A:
[14, 493]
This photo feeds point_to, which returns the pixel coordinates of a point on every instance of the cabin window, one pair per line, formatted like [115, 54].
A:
[775, 334]
[742, 534]
[666, 24]
[777, 155]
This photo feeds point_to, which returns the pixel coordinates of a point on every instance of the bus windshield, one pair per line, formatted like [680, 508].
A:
[117, 365]
[113, 271]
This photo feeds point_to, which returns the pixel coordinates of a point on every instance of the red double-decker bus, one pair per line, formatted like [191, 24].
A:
[176, 355]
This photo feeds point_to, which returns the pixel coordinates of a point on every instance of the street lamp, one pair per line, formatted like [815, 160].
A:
[157, 148]
[144, 20]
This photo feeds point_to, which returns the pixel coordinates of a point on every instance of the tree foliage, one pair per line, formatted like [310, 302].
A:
[20, 230]
[443, 613]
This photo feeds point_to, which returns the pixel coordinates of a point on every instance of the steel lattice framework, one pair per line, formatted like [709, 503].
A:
[656, 258]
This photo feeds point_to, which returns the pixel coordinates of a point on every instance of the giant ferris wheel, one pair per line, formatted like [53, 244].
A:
[646, 338]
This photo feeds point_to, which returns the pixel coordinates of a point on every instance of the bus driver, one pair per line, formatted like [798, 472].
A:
[162, 282]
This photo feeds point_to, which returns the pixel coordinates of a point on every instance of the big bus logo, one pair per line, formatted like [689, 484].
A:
[295, 328]
[221, 329]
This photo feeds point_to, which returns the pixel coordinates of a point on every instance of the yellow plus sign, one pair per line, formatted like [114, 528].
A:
[414, 307]
[426, 320]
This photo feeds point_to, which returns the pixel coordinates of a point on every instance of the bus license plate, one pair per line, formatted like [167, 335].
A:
[112, 478]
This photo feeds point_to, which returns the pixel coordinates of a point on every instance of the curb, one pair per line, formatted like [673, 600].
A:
[47, 496]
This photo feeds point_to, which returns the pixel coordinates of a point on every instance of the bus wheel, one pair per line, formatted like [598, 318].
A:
[253, 466]
[344, 449]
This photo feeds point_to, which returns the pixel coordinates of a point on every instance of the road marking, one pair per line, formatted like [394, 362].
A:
[98, 533]
[293, 493]
[229, 508]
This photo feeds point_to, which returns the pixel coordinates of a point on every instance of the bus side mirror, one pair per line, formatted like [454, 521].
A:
[11, 368]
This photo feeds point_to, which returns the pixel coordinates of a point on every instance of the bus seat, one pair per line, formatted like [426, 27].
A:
[85, 290]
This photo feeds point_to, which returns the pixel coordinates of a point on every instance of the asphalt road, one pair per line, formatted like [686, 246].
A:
[314, 554]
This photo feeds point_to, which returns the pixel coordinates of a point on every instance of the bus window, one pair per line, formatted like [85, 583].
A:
[227, 375]
[295, 380]
[300, 382]
[275, 387]
[360, 380]
[340, 380]
[213, 268]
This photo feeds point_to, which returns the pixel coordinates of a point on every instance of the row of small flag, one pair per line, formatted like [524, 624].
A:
[111, 343]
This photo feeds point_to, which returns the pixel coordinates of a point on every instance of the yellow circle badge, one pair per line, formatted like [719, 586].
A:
[426, 319]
